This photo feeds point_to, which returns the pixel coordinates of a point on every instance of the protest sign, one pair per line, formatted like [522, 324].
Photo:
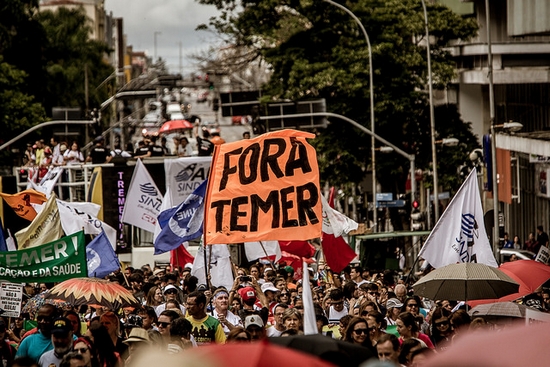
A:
[184, 175]
[544, 255]
[55, 261]
[11, 295]
[266, 188]
[535, 317]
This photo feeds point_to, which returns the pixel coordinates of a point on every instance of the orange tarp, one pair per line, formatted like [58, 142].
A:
[266, 188]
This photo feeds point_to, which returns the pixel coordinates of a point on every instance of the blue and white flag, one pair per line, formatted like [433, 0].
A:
[101, 257]
[459, 236]
[182, 223]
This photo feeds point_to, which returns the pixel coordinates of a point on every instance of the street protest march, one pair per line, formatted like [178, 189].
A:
[258, 252]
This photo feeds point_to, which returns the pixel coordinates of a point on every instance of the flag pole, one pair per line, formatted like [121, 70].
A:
[266, 255]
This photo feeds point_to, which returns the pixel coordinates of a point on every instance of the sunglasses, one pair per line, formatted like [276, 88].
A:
[171, 291]
[284, 294]
[361, 331]
[412, 305]
[442, 323]
[81, 350]
[163, 324]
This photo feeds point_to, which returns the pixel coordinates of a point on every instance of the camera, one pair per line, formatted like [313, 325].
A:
[245, 278]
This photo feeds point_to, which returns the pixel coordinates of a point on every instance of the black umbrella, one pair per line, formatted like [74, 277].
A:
[339, 352]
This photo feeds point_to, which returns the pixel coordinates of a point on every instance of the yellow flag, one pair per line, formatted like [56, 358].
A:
[46, 227]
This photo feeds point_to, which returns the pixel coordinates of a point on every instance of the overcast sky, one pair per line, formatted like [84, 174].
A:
[175, 19]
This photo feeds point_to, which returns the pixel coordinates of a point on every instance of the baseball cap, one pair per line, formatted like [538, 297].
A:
[168, 287]
[253, 320]
[202, 287]
[268, 286]
[247, 293]
[99, 138]
[393, 303]
[61, 325]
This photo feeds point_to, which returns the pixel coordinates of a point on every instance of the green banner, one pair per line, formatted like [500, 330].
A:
[53, 262]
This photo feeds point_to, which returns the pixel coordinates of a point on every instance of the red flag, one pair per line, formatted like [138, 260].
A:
[295, 262]
[331, 194]
[338, 254]
[180, 257]
[298, 248]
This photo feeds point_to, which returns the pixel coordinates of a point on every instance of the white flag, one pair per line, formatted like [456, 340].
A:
[459, 235]
[184, 175]
[335, 222]
[143, 200]
[76, 216]
[254, 250]
[221, 274]
[310, 323]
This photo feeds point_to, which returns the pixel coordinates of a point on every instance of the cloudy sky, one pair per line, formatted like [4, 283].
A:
[175, 19]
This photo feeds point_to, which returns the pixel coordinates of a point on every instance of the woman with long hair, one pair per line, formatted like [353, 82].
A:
[74, 318]
[407, 327]
[357, 332]
[442, 331]
[73, 155]
[106, 354]
[111, 322]
[154, 297]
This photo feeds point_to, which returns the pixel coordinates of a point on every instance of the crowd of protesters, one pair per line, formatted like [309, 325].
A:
[174, 313]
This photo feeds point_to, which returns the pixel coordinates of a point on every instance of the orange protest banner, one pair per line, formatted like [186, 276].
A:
[21, 202]
[266, 188]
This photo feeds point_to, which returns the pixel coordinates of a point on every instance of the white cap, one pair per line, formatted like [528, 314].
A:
[268, 286]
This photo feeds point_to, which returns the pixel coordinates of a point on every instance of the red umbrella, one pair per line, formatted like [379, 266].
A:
[255, 354]
[529, 274]
[513, 346]
[172, 125]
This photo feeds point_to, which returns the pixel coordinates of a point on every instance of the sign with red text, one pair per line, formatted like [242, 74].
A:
[266, 188]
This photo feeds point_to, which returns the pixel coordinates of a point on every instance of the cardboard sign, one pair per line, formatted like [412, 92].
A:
[265, 188]
[11, 296]
[544, 255]
[535, 317]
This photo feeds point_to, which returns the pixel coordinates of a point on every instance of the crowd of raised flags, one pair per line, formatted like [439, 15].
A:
[459, 236]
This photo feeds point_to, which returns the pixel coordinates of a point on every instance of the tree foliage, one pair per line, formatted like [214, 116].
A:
[316, 50]
[43, 58]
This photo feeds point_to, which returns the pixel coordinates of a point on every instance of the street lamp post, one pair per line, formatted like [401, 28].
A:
[432, 116]
[371, 92]
[155, 36]
[496, 236]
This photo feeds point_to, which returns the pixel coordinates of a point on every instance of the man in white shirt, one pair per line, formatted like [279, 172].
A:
[277, 328]
[337, 309]
[62, 340]
[227, 319]
[356, 275]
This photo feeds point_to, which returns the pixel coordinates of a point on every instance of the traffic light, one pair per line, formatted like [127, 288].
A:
[417, 217]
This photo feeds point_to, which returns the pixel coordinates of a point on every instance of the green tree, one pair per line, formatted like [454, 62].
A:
[67, 53]
[317, 51]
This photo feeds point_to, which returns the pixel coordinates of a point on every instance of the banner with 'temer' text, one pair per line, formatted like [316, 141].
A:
[55, 261]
